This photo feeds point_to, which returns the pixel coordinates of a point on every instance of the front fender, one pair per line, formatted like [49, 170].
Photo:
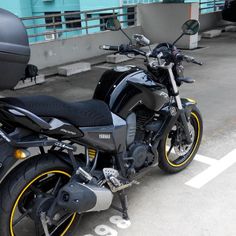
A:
[188, 105]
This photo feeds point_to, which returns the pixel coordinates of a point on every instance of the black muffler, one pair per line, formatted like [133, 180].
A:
[81, 198]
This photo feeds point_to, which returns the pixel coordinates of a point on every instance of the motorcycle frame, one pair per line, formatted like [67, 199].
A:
[120, 154]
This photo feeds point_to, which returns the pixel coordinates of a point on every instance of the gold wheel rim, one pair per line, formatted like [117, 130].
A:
[24, 190]
[193, 150]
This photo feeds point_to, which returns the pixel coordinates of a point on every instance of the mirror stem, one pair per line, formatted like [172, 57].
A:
[127, 36]
[178, 38]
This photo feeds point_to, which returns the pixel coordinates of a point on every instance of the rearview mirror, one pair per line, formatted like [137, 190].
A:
[113, 24]
[191, 27]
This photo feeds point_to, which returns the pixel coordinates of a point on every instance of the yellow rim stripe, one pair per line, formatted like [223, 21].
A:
[191, 100]
[190, 156]
[21, 194]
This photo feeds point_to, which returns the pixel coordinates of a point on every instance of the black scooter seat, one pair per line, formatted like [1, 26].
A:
[84, 114]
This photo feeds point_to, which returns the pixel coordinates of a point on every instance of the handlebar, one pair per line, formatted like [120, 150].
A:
[126, 49]
[110, 48]
[123, 48]
[188, 59]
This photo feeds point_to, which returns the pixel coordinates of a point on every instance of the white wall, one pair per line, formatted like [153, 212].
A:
[162, 22]
[159, 22]
[48, 54]
[210, 20]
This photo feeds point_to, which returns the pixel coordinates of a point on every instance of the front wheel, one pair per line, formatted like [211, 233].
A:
[174, 154]
[29, 192]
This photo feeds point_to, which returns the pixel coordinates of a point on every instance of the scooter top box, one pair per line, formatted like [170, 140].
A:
[14, 50]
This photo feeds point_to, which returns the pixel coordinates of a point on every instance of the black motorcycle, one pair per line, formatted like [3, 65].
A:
[135, 121]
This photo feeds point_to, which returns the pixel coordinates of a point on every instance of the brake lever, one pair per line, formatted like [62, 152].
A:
[192, 60]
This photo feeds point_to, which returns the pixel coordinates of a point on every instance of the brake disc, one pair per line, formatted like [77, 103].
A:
[183, 149]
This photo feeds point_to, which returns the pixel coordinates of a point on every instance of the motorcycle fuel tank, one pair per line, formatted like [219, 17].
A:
[124, 88]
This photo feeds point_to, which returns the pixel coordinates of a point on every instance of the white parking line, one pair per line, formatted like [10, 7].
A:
[213, 171]
[206, 160]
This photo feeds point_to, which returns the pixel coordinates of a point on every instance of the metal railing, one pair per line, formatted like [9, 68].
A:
[65, 25]
[56, 25]
[211, 6]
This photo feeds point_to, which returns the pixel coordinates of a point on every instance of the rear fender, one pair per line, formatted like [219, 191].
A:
[7, 160]
[11, 164]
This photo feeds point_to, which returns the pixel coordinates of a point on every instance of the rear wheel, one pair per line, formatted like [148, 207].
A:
[29, 192]
[174, 154]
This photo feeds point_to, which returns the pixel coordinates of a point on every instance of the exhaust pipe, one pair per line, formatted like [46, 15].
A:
[81, 198]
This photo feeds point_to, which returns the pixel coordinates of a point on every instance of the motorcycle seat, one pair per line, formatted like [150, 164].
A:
[84, 113]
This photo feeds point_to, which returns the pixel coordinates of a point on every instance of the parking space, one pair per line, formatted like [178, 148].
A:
[188, 203]
[199, 201]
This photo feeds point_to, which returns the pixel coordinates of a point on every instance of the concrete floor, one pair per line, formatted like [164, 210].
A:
[163, 205]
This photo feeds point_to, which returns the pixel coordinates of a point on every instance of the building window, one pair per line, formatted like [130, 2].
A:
[51, 20]
[89, 16]
[104, 21]
[131, 17]
[73, 17]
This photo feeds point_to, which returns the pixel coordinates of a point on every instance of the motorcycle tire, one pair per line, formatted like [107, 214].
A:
[182, 161]
[19, 190]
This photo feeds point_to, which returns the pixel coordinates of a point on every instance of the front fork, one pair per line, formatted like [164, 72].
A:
[179, 103]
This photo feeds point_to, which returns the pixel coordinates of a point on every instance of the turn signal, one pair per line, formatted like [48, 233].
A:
[21, 154]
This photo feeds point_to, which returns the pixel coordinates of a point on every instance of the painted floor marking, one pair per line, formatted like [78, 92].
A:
[206, 160]
[213, 171]
[105, 230]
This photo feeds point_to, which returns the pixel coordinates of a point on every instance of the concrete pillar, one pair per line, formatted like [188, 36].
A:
[162, 22]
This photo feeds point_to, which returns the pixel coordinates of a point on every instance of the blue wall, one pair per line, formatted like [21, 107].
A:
[13, 6]
[39, 8]
[55, 5]
[127, 2]
[24, 8]
[21, 8]
[96, 4]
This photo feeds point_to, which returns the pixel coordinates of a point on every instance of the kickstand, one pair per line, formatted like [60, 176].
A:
[124, 205]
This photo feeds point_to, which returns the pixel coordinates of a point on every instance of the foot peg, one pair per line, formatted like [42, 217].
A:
[115, 182]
